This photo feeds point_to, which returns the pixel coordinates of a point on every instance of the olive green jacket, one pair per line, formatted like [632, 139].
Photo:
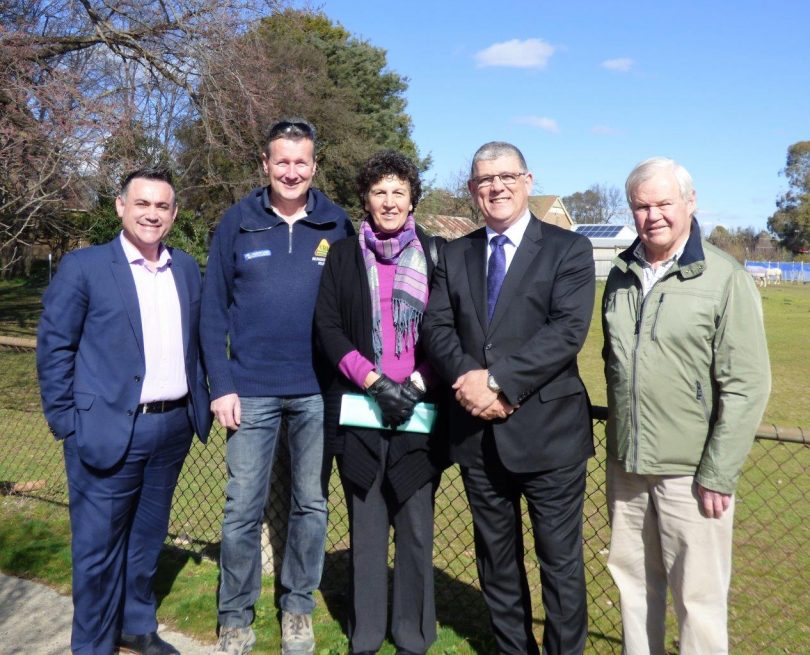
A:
[687, 367]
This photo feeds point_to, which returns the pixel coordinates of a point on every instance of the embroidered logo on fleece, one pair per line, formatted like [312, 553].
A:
[320, 252]
[256, 253]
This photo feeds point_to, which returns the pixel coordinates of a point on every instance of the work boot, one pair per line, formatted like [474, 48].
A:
[235, 641]
[297, 637]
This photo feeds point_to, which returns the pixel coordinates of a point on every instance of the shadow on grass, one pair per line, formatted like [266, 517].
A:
[40, 549]
[459, 606]
[32, 546]
[170, 563]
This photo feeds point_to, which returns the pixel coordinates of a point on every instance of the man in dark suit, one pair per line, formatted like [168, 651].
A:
[509, 310]
[122, 385]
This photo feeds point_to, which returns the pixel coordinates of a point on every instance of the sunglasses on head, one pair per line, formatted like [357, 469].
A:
[298, 129]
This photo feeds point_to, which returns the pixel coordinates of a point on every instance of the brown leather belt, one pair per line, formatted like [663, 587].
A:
[160, 406]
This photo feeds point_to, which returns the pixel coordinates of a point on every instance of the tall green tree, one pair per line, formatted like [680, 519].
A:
[294, 63]
[740, 243]
[791, 221]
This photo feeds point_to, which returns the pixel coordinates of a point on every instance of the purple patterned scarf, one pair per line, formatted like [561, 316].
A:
[410, 294]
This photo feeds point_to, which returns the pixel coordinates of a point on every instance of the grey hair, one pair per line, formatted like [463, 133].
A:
[495, 149]
[649, 168]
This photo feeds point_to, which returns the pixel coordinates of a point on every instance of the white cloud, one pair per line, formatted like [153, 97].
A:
[531, 53]
[604, 130]
[541, 122]
[620, 65]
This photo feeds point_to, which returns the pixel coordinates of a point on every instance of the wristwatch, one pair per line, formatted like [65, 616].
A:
[491, 384]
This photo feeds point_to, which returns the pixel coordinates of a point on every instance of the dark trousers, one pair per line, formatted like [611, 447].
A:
[555, 500]
[119, 518]
[413, 612]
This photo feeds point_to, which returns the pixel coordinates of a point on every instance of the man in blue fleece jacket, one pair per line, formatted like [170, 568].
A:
[258, 301]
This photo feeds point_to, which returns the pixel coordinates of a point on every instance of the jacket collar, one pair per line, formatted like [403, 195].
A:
[257, 214]
[475, 259]
[122, 274]
[690, 264]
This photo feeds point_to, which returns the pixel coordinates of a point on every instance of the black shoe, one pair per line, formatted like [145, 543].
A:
[401, 651]
[149, 644]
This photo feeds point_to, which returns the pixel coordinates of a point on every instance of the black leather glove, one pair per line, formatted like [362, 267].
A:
[396, 408]
[412, 392]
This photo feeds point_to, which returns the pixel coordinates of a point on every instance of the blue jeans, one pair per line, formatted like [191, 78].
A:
[250, 455]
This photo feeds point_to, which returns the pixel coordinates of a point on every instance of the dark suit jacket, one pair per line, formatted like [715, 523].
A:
[90, 357]
[540, 323]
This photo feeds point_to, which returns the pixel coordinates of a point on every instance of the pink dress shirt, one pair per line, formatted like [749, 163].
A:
[165, 377]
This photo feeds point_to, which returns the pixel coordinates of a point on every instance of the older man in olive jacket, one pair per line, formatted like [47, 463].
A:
[686, 363]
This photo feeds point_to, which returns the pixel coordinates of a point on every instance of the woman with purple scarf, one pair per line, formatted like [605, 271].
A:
[373, 293]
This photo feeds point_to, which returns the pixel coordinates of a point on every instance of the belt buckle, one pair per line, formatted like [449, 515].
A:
[155, 407]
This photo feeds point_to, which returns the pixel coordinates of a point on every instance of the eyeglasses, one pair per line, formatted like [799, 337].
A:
[507, 179]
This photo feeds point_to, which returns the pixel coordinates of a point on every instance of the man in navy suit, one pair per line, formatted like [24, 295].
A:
[123, 387]
[509, 310]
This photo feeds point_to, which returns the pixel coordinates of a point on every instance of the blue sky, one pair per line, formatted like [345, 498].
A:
[587, 89]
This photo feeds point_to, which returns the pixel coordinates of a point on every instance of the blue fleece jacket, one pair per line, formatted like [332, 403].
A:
[259, 295]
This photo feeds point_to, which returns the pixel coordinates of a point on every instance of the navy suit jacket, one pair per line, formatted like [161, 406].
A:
[530, 347]
[90, 358]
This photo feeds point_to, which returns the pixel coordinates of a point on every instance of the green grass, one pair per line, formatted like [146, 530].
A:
[787, 324]
[771, 553]
[20, 307]
[34, 542]
[771, 538]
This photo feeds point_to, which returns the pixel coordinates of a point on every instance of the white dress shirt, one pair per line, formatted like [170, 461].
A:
[651, 274]
[165, 377]
[514, 233]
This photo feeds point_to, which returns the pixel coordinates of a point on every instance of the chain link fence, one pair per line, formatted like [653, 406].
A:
[771, 544]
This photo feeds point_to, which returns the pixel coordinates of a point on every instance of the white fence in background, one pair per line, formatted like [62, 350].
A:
[775, 272]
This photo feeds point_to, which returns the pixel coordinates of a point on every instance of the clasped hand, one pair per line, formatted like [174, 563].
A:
[478, 399]
[396, 401]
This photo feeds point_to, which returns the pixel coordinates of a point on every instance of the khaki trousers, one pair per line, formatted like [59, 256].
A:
[659, 537]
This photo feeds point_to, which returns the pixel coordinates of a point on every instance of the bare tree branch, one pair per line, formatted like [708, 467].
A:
[82, 79]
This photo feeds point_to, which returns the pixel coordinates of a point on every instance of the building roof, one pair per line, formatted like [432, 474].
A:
[547, 208]
[449, 227]
[551, 210]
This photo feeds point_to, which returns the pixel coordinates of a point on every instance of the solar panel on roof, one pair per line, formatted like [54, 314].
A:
[599, 231]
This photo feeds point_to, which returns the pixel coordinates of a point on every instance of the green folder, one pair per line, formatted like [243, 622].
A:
[361, 411]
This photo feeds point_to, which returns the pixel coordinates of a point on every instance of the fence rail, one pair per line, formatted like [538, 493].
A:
[772, 533]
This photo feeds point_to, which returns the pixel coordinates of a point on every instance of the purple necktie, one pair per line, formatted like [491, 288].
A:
[496, 271]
